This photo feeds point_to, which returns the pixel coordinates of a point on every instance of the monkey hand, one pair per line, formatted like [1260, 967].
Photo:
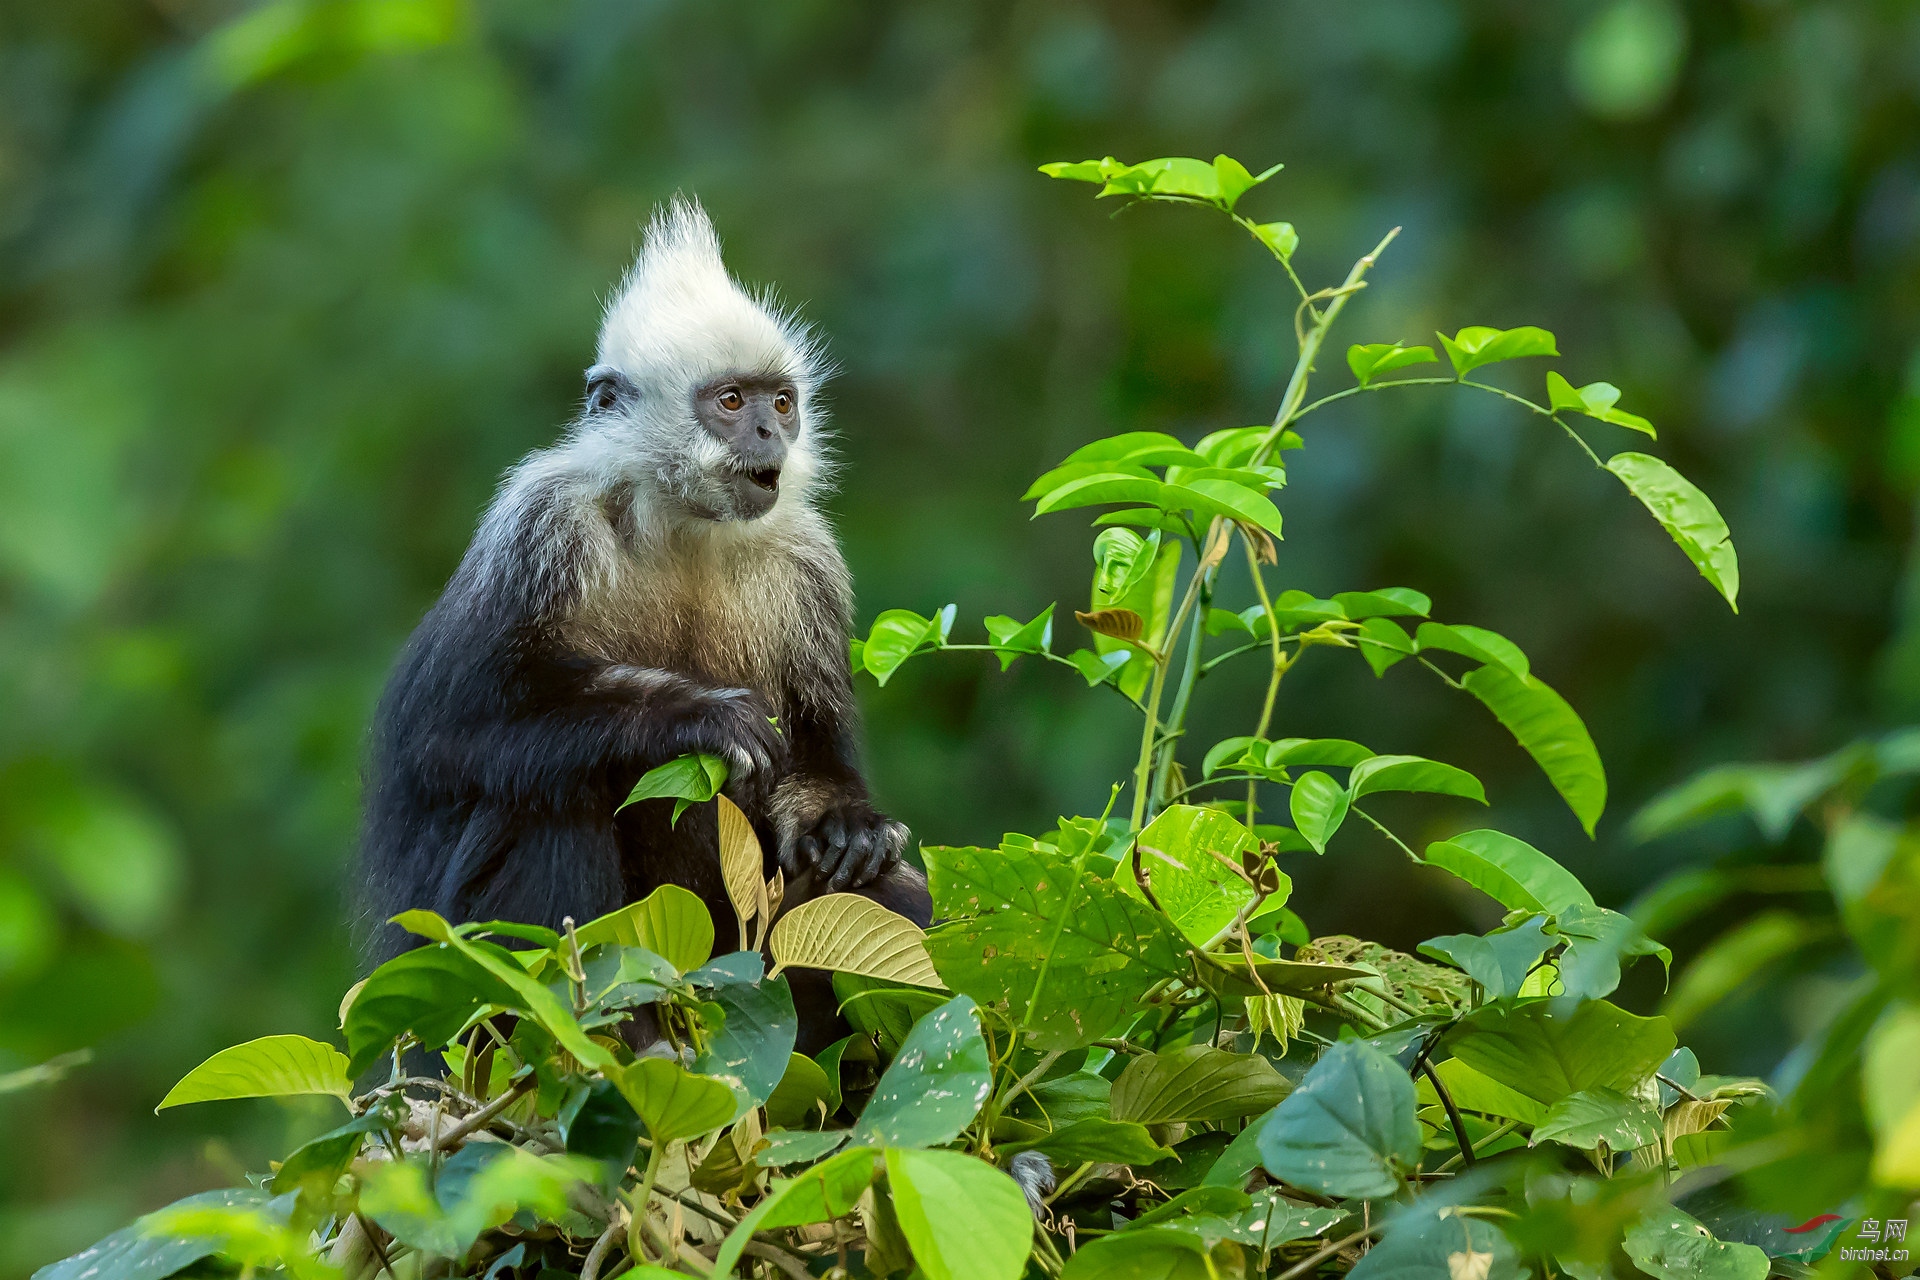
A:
[841, 838]
[736, 725]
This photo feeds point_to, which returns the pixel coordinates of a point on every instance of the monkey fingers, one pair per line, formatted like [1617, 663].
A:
[858, 851]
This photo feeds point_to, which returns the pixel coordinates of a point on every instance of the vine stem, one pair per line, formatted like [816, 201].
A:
[1296, 391]
[1280, 664]
[638, 1206]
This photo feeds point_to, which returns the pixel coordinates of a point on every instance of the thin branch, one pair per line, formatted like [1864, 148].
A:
[1381, 828]
[1446, 1100]
[485, 1115]
[1313, 1260]
[597, 1256]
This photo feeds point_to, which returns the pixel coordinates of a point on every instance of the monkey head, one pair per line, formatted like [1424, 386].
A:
[702, 396]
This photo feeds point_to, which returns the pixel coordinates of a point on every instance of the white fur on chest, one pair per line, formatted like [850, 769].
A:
[731, 604]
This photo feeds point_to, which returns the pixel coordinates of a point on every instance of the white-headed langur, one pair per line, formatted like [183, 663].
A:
[658, 582]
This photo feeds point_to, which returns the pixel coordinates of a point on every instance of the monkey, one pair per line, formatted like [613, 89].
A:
[659, 581]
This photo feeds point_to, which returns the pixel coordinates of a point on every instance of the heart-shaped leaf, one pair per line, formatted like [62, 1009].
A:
[1319, 806]
[935, 1084]
[1349, 1129]
[1375, 358]
[270, 1067]
[849, 933]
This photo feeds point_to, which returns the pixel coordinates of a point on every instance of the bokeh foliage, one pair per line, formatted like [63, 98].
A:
[284, 287]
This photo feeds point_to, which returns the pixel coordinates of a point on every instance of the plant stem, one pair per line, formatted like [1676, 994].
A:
[1296, 391]
[1499, 1133]
[1280, 665]
[597, 1256]
[485, 1115]
[1182, 697]
[638, 1203]
[1313, 1260]
[1382, 829]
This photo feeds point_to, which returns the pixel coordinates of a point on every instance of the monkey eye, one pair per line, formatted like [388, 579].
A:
[783, 401]
[731, 400]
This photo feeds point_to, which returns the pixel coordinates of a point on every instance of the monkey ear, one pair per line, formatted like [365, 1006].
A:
[608, 389]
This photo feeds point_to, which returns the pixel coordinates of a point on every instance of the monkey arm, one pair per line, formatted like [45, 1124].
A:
[559, 733]
[821, 810]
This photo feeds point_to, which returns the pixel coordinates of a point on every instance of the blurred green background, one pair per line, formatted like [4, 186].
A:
[284, 287]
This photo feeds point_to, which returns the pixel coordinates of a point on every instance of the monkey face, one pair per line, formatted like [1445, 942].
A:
[755, 420]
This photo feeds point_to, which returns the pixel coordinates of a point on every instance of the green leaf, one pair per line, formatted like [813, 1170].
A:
[934, 1087]
[1319, 806]
[1547, 1051]
[598, 1123]
[670, 1100]
[1477, 345]
[898, 634]
[1196, 1083]
[1383, 643]
[479, 1187]
[851, 933]
[1375, 358]
[1279, 237]
[750, 1049]
[1181, 851]
[1596, 400]
[1477, 643]
[1011, 637]
[1132, 448]
[1551, 732]
[1594, 1116]
[1596, 940]
[1274, 1220]
[1434, 1241]
[1688, 516]
[431, 992]
[1773, 794]
[315, 1166]
[1337, 752]
[1512, 872]
[1114, 1141]
[537, 999]
[803, 1095]
[1732, 961]
[131, 1253]
[270, 1067]
[1349, 1129]
[1669, 1245]
[1500, 961]
[1209, 497]
[1064, 951]
[688, 779]
[671, 922]
[1387, 602]
[1412, 773]
[963, 1218]
[797, 1147]
[828, 1190]
[1151, 1253]
[1082, 170]
[1234, 179]
[1102, 487]
[1225, 750]
[1099, 668]
[1473, 1091]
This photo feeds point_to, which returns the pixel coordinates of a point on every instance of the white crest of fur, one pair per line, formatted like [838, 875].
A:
[679, 320]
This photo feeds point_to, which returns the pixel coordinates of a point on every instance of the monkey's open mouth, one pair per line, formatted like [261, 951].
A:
[767, 478]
